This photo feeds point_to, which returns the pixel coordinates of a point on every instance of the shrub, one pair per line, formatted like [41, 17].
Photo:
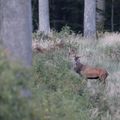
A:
[15, 91]
[62, 91]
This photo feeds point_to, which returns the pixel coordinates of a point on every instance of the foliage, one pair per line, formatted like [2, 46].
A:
[15, 93]
[103, 101]
[52, 90]
[63, 93]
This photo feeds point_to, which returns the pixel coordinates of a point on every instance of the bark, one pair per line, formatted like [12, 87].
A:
[0, 20]
[112, 16]
[16, 31]
[44, 24]
[100, 16]
[90, 18]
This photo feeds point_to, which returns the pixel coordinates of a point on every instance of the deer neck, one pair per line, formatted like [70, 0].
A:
[79, 67]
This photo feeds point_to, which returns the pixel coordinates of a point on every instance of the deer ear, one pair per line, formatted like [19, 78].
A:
[76, 57]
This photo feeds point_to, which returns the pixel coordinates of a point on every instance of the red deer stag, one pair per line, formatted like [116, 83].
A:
[90, 72]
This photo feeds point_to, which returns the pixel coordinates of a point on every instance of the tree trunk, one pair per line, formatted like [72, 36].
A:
[100, 16]
[112, 16]
[90, 18]
[0, 20]
[44, 24]
[16, 31]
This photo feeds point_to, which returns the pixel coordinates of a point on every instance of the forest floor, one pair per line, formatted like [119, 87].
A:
[103, 103]
[52, 90]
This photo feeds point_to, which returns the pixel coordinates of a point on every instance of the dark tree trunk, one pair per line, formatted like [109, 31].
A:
[112, 16]
[100, 16]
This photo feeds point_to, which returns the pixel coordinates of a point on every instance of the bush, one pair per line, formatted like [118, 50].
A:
[15, 92]
[62, 91]
[50, 91]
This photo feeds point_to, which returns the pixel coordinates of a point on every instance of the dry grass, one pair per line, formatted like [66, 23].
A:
[91, 54]
[110, 39]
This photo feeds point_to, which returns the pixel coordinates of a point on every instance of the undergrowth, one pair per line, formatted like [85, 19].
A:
[51, 90]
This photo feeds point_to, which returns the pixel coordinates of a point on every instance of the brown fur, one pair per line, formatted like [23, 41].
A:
[90, 72]
[53, 47]
[40, 49]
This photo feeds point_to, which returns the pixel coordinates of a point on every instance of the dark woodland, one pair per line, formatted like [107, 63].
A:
[70, 13]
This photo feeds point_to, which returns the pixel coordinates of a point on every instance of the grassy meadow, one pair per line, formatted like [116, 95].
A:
[51, 90]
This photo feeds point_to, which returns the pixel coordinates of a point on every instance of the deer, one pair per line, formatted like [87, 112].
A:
[90, 72]
[40, 49]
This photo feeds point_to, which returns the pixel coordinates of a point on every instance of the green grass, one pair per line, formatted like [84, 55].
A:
[51, 90]
[62, 90]
[104, 102]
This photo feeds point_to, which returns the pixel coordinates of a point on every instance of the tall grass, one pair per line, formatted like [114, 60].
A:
[52, 90]
[104, 102]
[62, 91]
